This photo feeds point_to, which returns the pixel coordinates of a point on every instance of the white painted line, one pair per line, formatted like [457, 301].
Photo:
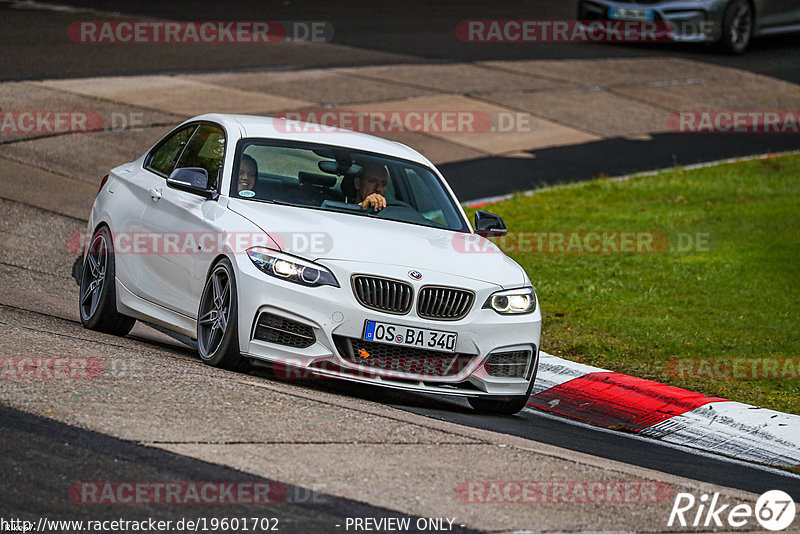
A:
[554, 371]
[43, 6]
[737, 430]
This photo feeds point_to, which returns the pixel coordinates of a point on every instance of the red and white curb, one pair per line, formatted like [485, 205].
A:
[621, 402]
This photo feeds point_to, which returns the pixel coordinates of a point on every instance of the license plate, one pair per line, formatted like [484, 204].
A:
[627, 13]
[405, 336]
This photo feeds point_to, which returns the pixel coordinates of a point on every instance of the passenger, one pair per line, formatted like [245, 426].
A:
[248, 172]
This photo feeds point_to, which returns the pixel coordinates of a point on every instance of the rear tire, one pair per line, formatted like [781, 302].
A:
[217, 320]
[97, 301]
[737, 27]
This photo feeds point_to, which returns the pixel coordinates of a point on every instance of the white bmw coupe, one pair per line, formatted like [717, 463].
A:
[318, 252]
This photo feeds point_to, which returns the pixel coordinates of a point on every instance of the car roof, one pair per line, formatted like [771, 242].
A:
[277, 128]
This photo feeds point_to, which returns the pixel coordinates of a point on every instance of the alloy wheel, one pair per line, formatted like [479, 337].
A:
[94, 275]
[740, 27]
[215, 310]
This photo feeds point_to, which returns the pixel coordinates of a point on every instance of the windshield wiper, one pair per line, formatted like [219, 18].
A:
[279, 202]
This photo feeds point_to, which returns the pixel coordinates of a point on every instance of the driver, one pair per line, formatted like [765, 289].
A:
[371, 186]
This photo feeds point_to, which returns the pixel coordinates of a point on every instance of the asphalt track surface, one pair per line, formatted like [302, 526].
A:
[405, 32]
[412, 30]
[30, 489]
[608, 157]
[579, 437]
[76, 454]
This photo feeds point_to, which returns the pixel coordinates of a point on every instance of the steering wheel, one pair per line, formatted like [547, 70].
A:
[390, 203]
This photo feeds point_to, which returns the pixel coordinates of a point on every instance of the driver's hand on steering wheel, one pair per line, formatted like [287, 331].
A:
[375, 201]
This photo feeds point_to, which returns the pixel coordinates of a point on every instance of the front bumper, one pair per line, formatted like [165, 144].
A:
[689, 22]
[329, 316]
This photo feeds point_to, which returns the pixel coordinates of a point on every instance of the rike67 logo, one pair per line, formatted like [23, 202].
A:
[774, 510]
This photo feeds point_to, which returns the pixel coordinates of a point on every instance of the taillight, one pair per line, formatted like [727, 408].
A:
[102, 183]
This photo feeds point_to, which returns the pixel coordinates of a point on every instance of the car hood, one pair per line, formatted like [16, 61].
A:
[323, 235]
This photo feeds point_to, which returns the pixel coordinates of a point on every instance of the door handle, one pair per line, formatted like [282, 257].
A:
[155, 194]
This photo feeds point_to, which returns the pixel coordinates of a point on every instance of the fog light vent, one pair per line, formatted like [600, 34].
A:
[511, 364]
[275, 329]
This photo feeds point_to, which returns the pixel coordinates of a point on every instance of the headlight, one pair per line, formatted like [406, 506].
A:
[512, 301]
[295, 270]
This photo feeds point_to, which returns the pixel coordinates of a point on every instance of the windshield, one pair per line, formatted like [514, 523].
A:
[342, 180]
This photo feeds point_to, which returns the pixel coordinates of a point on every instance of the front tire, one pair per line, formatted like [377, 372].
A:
[508, 405]
[98, 293]
[737, 27]
[217, 320]
[499, 407]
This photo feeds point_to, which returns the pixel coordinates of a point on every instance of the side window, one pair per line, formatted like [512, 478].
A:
[427, 201]
[206, 149]
[162, 158]
[423, 197]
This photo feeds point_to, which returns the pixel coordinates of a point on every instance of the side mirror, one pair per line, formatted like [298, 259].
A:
[489, 225]
[192, 180]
